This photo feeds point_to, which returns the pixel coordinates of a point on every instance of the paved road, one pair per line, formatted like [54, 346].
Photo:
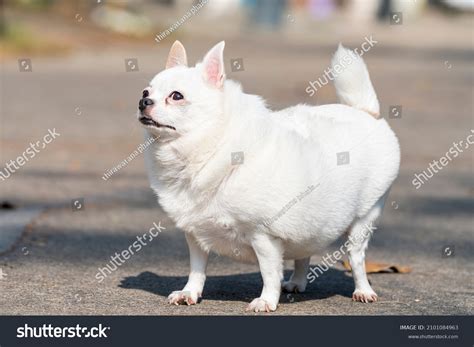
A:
[90, 100]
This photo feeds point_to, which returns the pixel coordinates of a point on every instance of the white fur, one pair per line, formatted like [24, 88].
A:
[353, 86]
[227, 208]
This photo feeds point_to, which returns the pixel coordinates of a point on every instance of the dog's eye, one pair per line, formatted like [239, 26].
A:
[176, 95]
[146, 93]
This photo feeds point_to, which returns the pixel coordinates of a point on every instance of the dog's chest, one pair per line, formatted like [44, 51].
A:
[185, 208]
[196, 209]
[213, 227]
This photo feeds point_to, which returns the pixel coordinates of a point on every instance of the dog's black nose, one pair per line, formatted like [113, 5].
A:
[143, 103]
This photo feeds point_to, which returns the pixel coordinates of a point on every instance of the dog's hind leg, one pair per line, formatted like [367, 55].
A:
[359, 236]
[298, 281]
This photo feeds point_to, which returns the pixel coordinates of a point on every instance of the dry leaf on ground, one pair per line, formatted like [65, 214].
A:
[371, 267]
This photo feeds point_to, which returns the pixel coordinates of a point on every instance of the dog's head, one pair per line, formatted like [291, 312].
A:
[181, 99]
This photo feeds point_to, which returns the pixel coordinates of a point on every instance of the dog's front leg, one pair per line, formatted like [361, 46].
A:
[192, 291]
[269, 252]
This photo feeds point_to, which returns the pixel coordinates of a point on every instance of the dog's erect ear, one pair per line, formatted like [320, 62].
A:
[213, 66]
[177, 56]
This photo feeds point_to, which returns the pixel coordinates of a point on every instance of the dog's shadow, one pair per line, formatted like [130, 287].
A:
[243, 287]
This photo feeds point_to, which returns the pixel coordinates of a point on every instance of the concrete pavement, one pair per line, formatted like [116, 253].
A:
[91, 100]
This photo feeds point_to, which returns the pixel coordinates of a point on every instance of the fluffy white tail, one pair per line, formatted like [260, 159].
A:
[353, 85]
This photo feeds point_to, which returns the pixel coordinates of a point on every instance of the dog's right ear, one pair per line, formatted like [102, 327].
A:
[177, 56]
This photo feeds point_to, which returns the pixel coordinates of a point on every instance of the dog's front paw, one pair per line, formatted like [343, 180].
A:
[181, 297]
[365, 296]
[261, 305]
[293, 287]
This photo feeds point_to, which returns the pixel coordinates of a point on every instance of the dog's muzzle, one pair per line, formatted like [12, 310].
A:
[144, 103]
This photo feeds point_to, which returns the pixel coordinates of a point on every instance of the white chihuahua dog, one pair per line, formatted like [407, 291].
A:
[265, 186]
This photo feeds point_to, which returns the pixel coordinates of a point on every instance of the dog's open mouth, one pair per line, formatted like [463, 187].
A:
[151, 122]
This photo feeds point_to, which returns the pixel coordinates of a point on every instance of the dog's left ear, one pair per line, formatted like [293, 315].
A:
[177, 56]
[213, 66]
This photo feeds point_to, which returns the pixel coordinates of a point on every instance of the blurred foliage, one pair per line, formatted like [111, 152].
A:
[14, 32]
[16, 39]
[33, 4]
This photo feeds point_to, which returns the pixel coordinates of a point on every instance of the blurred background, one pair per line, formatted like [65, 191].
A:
[80, 66]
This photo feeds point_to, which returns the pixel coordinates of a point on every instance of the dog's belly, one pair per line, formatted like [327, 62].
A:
[301, 250]
[227, 243]
[233, 244]
[225, 236]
